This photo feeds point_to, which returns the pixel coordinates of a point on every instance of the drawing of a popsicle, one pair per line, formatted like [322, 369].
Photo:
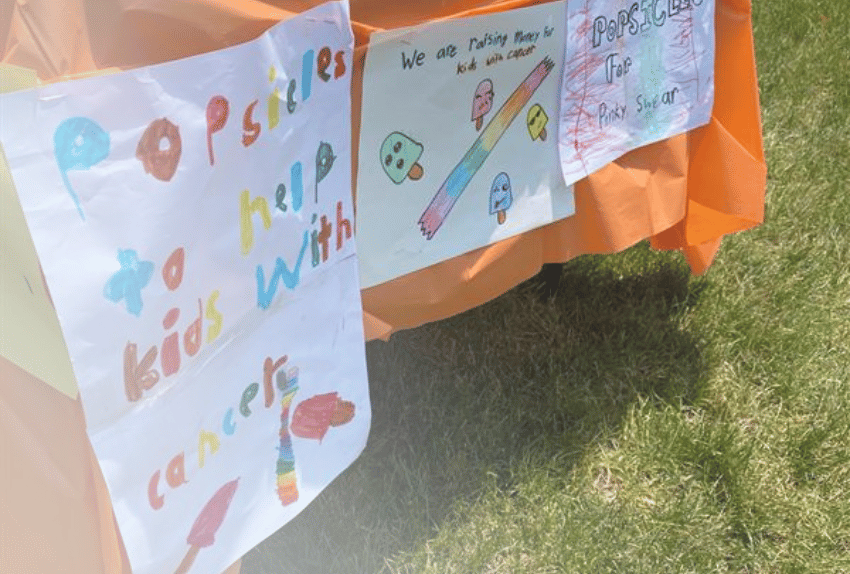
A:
[207, 524]
[311, 420]
[536, 122]
[501, 197]
[439, 208]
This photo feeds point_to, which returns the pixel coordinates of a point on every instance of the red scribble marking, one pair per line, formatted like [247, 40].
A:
[687, 34]
[587, 136]
[578, 90]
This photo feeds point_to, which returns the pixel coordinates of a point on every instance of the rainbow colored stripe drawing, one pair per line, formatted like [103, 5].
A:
[287, 487]
[462, 174]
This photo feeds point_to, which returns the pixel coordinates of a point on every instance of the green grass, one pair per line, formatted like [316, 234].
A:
[642, 420]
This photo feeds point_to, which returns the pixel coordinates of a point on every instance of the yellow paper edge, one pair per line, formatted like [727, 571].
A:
[30, 335]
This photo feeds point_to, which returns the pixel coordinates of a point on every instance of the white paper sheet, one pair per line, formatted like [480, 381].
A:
[458, 138]
[635, 72]
[194, 223]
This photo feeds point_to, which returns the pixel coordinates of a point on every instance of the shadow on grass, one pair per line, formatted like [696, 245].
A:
[458, 402]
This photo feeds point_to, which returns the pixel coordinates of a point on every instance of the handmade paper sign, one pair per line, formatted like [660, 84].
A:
[457, 141]
[635, 73]
[194, 223]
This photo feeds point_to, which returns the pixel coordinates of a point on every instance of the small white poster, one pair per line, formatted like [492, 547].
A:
[195, 225]
[635, 72]
[458, 145]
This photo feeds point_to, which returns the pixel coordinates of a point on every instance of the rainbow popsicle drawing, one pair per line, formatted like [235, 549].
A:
[448, 194]
[287, 486]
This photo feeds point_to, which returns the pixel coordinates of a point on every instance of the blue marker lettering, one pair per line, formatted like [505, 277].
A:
[281, 271]
[79, 143]
[127, 283]
[306, 74]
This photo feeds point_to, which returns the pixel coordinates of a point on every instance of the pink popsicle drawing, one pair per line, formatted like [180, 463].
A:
[482, 102]
[207, 524]
[448, 194]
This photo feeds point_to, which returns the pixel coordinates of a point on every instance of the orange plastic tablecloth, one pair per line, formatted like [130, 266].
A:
[683, 193]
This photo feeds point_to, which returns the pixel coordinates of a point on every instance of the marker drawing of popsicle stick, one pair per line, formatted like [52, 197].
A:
[207, 524]
[462, 174]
